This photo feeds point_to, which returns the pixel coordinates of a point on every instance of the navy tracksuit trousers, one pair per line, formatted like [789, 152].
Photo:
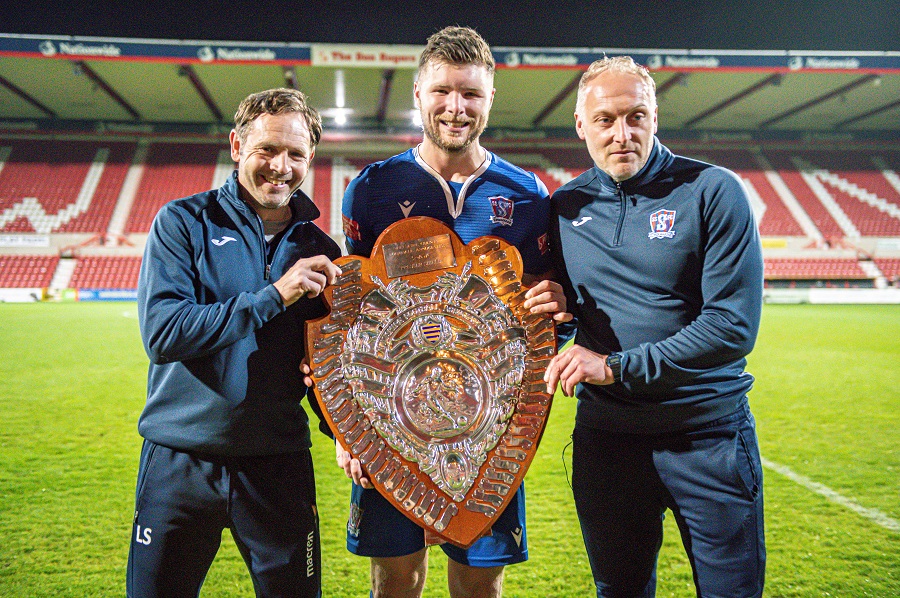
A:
[710, 478]
[185, 500]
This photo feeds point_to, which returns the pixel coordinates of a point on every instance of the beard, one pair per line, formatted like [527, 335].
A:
[431, 128]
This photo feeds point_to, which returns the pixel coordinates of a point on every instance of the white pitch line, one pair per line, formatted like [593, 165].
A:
[872, 514]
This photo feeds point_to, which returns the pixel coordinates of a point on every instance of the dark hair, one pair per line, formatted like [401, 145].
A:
[277, 101]
[459, 46]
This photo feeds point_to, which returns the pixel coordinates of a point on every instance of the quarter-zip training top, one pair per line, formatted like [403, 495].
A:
[665, 267]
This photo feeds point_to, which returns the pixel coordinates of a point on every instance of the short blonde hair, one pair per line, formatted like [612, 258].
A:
[618, 64]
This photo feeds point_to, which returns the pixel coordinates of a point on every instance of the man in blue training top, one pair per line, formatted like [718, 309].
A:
[449, 176]
[660, 258]
[228, 279]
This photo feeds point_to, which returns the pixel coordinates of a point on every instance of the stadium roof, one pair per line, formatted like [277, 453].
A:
[98, 69]
[819, 25]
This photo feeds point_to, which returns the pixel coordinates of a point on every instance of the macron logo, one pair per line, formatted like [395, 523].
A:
[517, 536]
[222, 241]
[582, 221]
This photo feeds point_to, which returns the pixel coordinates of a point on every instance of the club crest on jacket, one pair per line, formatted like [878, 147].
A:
[662, 224]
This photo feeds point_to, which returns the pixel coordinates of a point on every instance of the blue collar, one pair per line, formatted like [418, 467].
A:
[302, 207]
[660, 158]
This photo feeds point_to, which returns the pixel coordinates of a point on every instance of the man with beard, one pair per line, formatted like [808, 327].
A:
[449, 176]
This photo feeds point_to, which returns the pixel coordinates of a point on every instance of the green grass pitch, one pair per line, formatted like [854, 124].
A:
[826, 400]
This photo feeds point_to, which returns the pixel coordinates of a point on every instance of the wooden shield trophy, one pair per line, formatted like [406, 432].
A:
[430, 372]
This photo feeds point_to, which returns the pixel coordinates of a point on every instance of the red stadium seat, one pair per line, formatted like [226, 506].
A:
[41, 183]
[106, 272]
[172, 170]
[814, 268]
[27, 271]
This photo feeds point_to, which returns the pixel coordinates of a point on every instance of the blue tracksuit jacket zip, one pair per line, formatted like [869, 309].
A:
[263, 246]
[623, 207]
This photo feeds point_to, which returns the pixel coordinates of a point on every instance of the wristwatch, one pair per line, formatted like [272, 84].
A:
[614, 361]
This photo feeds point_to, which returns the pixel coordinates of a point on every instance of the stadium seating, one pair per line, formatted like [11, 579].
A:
[554, 167]
[816, 272]
[847, 180]
[813, 268]
[76, 185]
[330, 178]
[805, 196]
[106, 272]
[172, 170]
[61, 186]
[890, 267]
[27, 271]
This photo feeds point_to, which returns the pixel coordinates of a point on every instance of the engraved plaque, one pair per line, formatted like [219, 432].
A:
[432, 375]
[405, 258]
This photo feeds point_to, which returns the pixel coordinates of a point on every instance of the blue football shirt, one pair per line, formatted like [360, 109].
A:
[498, 199]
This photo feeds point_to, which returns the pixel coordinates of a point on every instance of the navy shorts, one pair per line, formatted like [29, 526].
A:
[710, 478]
[377, 529]
[184, 501]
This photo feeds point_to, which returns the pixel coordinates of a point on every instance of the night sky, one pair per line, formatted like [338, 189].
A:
[852, 25]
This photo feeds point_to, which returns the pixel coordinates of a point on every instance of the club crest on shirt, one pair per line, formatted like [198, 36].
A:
[662, 224]
[351, 228]
[544, 244]
[503, 210]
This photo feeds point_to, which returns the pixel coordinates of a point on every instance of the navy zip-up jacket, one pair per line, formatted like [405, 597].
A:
[224, 351]
[665, 267]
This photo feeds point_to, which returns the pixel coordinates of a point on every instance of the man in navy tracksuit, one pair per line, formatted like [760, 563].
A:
[228, 279]
[661, 262]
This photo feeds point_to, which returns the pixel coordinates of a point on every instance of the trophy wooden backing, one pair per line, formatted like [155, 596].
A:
[430, 372]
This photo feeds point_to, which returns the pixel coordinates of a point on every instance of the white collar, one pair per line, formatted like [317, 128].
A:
[455, 208]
